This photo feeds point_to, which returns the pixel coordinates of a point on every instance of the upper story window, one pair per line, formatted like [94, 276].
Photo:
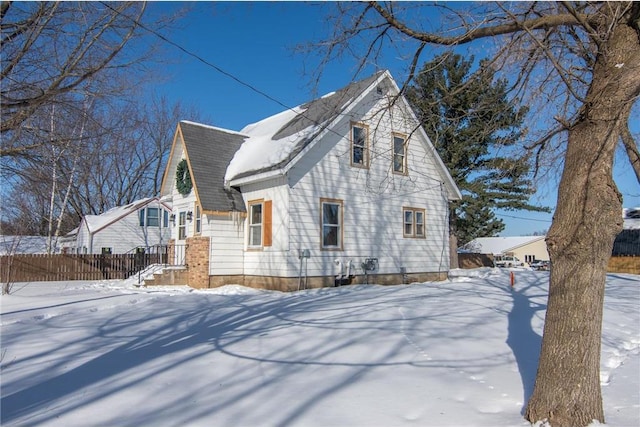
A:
[359, 145]
[259, 223]
[413, 222]
[331, 220]
[399, 154]
[150, 217]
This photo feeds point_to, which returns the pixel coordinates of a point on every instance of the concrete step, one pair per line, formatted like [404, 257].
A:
[168, 277]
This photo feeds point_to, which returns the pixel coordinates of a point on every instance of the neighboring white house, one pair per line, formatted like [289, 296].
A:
[345, 185]
[67, 243]
[141, 224]
[525, 248]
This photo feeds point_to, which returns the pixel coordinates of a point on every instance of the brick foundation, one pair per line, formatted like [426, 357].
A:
[289, 284]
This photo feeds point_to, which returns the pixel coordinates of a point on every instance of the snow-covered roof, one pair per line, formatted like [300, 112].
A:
[266, 148]
[96, 223]
[498, 245]
[260, 150]
[274, 141]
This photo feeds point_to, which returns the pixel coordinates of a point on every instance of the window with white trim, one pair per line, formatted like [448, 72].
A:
[260, 224]
[414, 222]
[399, 154]
[182, 225]
[153, 217]
[149, 217]
[359, 145]
[331, 223]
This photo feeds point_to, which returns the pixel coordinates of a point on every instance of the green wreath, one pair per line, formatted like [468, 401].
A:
[183, 178]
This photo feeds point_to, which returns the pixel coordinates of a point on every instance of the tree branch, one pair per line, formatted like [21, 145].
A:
[631, 147]
[480, 32]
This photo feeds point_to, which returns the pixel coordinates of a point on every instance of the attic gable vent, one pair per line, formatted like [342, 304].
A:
[379, 90]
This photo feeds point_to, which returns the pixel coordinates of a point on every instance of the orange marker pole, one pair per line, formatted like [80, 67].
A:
[512, 276]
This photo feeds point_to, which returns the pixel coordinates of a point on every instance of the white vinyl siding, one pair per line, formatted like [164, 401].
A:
[226, 245]
[372, 220]
[371, 201]
[275, 259]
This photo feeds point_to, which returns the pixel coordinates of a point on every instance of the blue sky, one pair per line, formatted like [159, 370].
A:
[255, 41]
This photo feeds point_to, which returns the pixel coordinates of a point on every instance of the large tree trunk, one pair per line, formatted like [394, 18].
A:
[587, 219]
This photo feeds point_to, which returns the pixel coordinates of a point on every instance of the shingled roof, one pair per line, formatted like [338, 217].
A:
[291, 131]
[210, 150]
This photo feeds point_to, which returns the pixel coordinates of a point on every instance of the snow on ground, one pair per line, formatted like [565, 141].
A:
[457, 353]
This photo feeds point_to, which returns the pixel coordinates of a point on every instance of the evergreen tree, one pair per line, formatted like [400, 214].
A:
[475, 129]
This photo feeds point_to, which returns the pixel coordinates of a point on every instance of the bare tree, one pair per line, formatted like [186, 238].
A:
[92, 165]
[126, 163]
[581, 63]
[74, 122]
[52, 49]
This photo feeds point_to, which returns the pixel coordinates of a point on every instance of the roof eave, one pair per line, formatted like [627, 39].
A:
[254, 178]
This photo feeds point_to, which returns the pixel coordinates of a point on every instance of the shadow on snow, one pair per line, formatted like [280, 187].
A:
[251, 336]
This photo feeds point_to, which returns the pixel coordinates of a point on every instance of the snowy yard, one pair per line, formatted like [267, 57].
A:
[455, 353]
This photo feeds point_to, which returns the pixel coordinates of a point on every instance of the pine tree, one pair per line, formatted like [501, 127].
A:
[476, 130]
